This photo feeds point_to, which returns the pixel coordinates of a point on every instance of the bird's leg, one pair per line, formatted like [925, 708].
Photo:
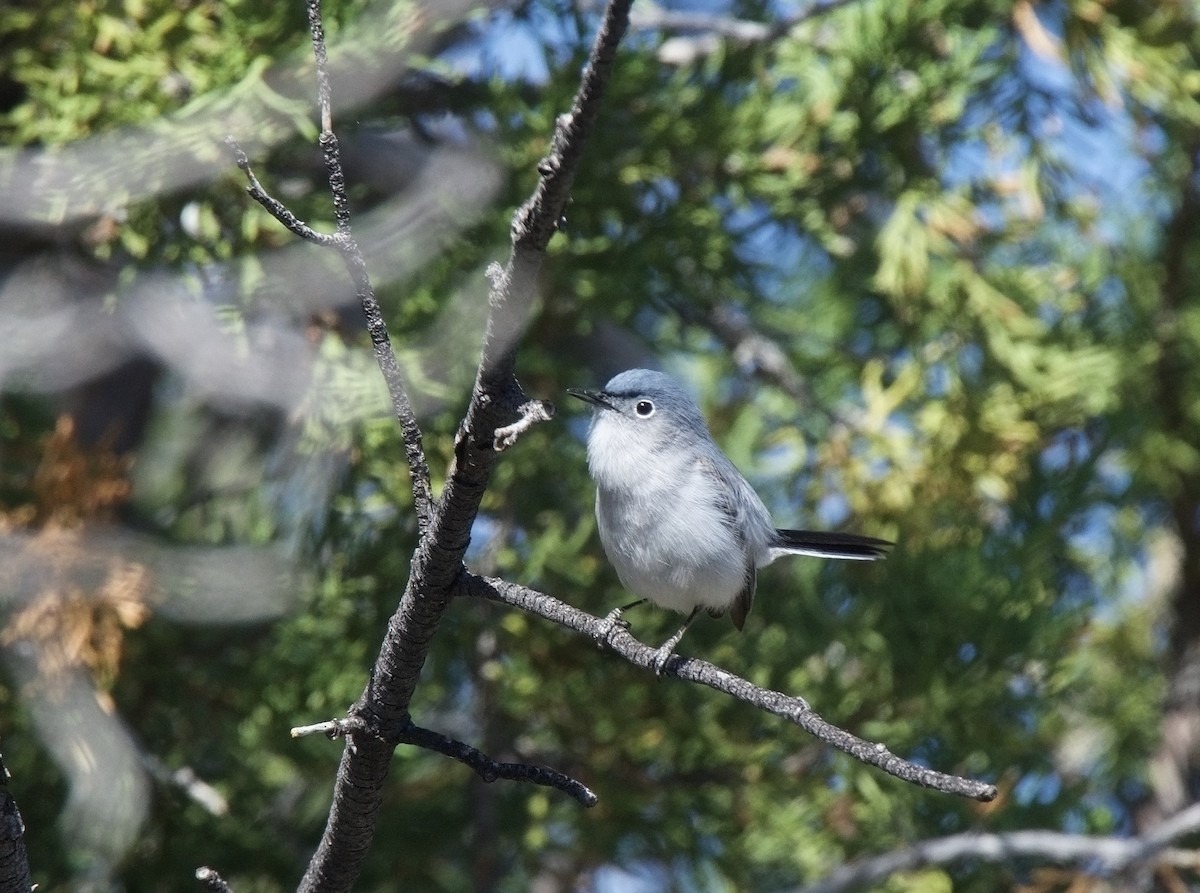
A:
[613, 619]
[668, 647]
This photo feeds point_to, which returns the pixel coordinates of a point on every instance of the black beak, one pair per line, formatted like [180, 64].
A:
[596, 398]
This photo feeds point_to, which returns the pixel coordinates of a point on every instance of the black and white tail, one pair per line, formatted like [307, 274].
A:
[829, 545]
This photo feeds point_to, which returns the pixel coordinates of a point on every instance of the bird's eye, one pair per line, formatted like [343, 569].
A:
[644, 408]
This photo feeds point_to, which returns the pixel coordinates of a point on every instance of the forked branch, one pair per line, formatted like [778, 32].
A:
[343, 240]
[499, 412]
[486, 767]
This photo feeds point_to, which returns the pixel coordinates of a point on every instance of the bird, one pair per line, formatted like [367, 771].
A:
[680, 524]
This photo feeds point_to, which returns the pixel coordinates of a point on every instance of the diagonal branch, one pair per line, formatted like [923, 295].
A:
[514, 288]
[490, 770]
[793, 709]
[1103, 854]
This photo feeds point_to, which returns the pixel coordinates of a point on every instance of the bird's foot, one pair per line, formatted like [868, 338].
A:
[612, 621]
[662, 657]
[663, 654]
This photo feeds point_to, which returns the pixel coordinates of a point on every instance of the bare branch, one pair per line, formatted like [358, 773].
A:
[490, 770]
[793, 709]
[485, 767]
[514, 288]
[380, 717]
[656, 18]
[275, 207]
[324, 90]
[352, 257]
[1105, 854]
[356, 265]
[755, 352]
[530, 413]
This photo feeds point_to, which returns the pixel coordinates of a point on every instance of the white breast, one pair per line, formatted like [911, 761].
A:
[660, 527]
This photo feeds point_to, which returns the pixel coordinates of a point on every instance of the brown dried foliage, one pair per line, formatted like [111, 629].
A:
[74, 603]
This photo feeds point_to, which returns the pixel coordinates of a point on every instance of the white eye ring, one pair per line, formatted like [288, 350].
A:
[644, 408]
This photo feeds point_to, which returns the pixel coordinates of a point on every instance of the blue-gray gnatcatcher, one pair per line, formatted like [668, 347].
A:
[678, 521]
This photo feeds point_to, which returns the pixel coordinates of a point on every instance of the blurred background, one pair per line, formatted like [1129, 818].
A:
[931, 268]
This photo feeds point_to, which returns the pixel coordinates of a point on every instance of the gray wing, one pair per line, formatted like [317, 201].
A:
[740, 508]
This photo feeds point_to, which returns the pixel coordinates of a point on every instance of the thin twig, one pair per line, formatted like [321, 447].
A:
[273, 206]
[788, 707]
[212, 881]
[490, 770]
[186, 779]
[485, 767]
[334, 728]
